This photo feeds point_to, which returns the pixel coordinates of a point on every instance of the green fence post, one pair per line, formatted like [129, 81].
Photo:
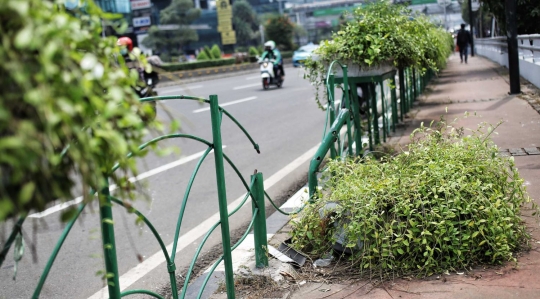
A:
[259, 227]
[394, 102]
[375, 115]
[402, 93]
[415, 89]
[109, 246]
[331, 95]
[222, 195]
[384, 111]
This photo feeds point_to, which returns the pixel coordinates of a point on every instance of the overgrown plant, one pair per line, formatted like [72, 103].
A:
[447, 203]
[382, 33]
[67, 109]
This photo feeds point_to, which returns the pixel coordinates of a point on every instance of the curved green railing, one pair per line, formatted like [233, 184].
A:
[384, 112]
[258, 222]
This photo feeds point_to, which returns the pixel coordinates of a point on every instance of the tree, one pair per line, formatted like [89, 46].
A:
[179, 14]
[245, 22]
[280, 29]
[216, 52]
[57, 125]
[527, 10]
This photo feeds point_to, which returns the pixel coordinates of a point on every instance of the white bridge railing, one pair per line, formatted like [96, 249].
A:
[496, 49]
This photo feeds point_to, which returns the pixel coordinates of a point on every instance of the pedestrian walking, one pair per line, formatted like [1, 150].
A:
[463, 42]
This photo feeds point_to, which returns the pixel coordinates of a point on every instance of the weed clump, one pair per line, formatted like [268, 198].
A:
[447, 203]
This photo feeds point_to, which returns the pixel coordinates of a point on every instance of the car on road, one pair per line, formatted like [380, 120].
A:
[302, 54]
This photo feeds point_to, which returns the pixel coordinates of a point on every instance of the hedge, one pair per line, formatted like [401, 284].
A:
[172, 67]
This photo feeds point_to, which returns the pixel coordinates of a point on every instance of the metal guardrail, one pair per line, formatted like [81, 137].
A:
[255, 190]
[526, 43]
[386, 108]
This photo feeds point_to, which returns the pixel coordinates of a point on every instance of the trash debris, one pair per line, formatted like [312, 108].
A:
[460, 273]
[324, 261]
[297, 257]
[324, 290]
[303, 282]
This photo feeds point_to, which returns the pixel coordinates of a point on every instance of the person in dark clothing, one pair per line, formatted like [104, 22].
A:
[463, 42]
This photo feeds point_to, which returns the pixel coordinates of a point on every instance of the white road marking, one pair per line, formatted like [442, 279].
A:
[246, 86]
[226, 104]
[254, 77]
[141, 176]
[130, 277]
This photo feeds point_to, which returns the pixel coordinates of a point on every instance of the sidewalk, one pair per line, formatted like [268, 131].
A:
[482, 87]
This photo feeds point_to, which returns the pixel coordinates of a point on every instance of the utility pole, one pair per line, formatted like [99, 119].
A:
[471, 24]
[513, 52]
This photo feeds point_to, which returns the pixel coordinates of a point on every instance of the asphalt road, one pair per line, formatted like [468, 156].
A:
[285, 122]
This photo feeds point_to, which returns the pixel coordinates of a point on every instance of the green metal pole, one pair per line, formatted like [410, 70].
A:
[331, 95]
[402, 93]
[222, 195]
[394, 103]
[259, 227]
[415, 89]
[384, 111]
[375, 115]
[109, 246]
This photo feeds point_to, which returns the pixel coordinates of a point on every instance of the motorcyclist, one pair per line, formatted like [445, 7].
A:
[135, 61]
[271, 52]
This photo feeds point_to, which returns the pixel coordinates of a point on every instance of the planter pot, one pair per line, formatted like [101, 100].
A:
[360, 70]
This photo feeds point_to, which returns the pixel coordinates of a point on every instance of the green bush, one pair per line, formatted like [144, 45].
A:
[253, 51]
[172, 67]
[203, 56]
[208, 52]
[383, 33]
[447, 203]
[57, 125]
[216, 52]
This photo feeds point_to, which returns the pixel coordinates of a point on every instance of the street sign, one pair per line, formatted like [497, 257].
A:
[142, 21]
[228, 38]
[140, 4]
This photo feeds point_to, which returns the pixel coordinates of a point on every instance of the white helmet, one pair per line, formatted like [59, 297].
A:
[270, 44]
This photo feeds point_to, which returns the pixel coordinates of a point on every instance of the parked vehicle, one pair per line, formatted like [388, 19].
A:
[302, 54]
[268, 75]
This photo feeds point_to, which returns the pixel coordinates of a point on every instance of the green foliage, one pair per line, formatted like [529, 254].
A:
[253, 51]
[67, 109]
[202, 56]
[280, 29]
[208, 53]
[179, 13]
[245, 21]
[527, 10]
[172, 67]
[447, 203]
[216, 52]
[382, 34]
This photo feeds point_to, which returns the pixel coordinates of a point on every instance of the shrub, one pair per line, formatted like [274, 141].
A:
[203, 56]
[208, 53]
[253, 51]
[55, 118]
[172, 67]
[447, 203]
[216, 52]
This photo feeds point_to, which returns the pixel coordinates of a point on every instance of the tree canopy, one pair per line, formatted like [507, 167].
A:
[180, 14]
[280, 29]
[245, 21]
[527, 10]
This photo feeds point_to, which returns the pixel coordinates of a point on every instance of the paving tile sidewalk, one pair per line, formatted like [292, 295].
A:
[475, 87]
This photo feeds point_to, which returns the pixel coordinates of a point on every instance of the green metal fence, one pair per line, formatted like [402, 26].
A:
[381, 108]
[255, 190]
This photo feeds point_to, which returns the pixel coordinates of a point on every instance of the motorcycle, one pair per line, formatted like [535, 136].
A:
[148, 90]
[267, 74]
